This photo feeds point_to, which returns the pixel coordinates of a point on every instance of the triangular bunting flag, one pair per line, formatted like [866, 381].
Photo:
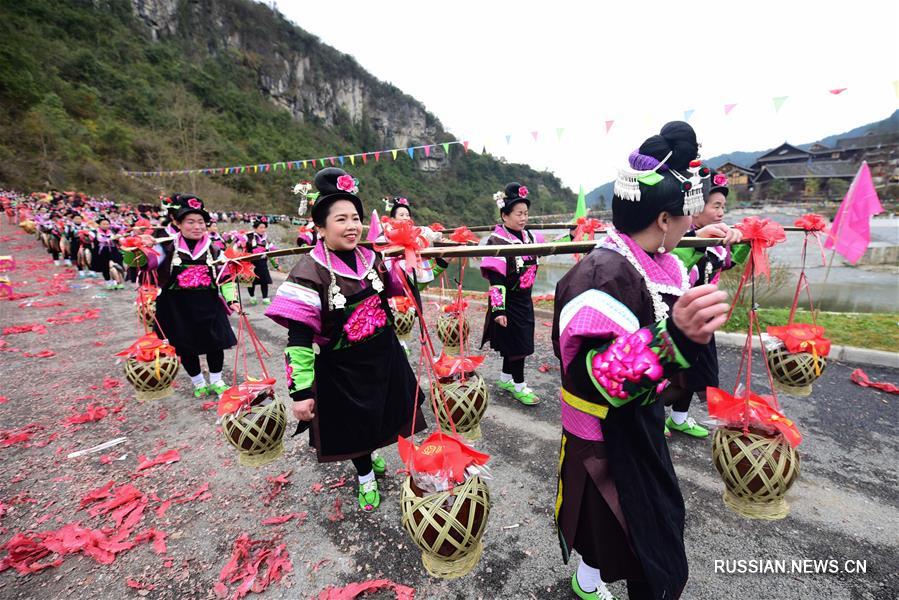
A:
[255, 168]
[896, 87]
[609, 125]
[304, 164]
[340, 160]
[728, 108]
[331, 158]
[837, 91]
[427, 150]
[559, 132]
[534, 135]
[778, 102]
[689, 113]
[581, 209]
[411, 152]
[393, 152]
[508, 139]
[353, 159]
[365, 159]
[446, 148]
[377, 156]
[465, 144]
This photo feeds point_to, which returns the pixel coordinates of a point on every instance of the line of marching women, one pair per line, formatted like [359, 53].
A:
[633, 330]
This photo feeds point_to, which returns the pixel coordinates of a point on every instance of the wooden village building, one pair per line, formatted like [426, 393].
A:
[813, 173]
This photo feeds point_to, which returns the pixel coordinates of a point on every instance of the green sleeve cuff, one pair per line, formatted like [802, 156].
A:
[689, 256]
[229, 292]
[132, 258]
[300, 361]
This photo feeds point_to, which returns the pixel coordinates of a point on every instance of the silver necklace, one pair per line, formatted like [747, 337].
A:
[336, 299]
[659, 307]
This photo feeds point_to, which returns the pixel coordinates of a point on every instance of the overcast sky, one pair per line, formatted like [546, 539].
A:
[488, 69]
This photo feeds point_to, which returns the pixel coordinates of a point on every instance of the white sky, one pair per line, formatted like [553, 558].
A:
[488, 69]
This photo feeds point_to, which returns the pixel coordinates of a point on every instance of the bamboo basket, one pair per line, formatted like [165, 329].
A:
[794, 372]
[258, 433]
[448, 331]
[463, 400]
[152, 380]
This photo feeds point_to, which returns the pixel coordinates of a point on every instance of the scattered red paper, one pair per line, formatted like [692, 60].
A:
[110, 383]
[254, 564]
[94, 412]
[285, 518]
[157, 537]
[811, 222]
[545, 368]
[759, 411]
[336, 514]
[73, 315]
[278, 484]
[140, 586]
[97, 494]
[41, 354]
[802, 337]
[439, 453]
[463, 235]
[209, 404]
[861, 378]
[354, 590]
[3, 399]
[147, 348]
[38, 328]
[167, 457]
[447, 366]
[19, 435]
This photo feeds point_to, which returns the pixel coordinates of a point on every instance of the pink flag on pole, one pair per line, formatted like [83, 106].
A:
[374, 227]
[850, 233]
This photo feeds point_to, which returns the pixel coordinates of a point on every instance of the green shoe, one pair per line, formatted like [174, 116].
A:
[218, 388]
[509, 386]
[526, 396]
[378, 464]
[266, 301]
[253, 302]
[369, 498]
[690, 427]
[200, 391]
[600, 593]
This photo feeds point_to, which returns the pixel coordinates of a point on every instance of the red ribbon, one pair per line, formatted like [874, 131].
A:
[135, 244]
[586, 229]
[406, 236]
[440, 453]
[757, 410]
[402, 304]
[463, 235]
[437, 227]
[763, 234]
[457, 307]
[242, 395]
[235, 268]
[814, 225]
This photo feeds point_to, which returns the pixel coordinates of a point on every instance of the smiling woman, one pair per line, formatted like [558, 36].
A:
[348, 376]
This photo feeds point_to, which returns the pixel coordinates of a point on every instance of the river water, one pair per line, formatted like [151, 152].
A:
[844, 288]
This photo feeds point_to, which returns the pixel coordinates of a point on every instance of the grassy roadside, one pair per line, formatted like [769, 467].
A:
[877, 331]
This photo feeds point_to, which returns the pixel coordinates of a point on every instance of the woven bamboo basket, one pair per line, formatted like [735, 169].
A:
[146, 313]
[448, 331]
[403, 323]
[152, 380]
[257, 434]
[757, 469]
[447, 526]
[794, 372]
[463, 400]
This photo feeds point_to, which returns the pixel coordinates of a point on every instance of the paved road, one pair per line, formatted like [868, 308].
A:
[844, 507]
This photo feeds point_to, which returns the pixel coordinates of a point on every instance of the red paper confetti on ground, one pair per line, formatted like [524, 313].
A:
[285, 518]
[94, 412]
[167, 457]
[38, 328]
[253, 566]
[140, 586]
[20, 435]
[278, 484]
[861, 378]
[354, 590]
[336, 513]
[41, 354]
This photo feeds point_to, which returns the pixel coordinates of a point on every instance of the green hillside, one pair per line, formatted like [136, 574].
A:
[86, 92]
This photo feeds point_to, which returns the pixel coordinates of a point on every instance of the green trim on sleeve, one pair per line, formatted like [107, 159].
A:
[300, 362]
[229, 292]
